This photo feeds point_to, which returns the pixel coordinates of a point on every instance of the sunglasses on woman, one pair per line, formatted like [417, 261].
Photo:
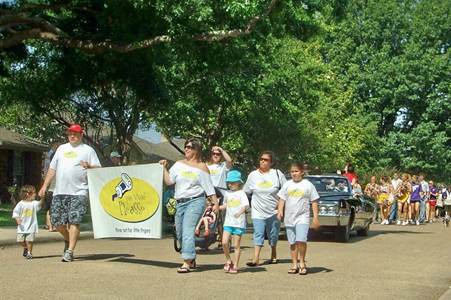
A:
[216, 154]
[189, 146]
[265, 159]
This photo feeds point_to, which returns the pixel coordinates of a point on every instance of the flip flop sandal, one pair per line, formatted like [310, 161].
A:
[302, 271]
[273, 261]
[251, 263]
[233, 271]
[293, 271]
[183, 270]
[227, 266]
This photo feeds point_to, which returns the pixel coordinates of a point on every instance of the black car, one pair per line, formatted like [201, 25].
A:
[338, 211]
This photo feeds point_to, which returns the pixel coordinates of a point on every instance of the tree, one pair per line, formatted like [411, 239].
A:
[127, 26]
[394, 58]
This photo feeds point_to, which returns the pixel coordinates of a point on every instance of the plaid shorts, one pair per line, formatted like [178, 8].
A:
[68, 209]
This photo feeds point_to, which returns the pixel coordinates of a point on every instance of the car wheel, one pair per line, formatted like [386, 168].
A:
[364, 231]
[342, 233]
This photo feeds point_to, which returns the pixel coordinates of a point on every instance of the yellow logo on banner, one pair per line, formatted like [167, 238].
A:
[265, 184]
[189, 174]
[129, 199]
[295, 193]
[70, 154]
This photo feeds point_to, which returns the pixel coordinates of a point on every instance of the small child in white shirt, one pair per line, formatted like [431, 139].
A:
[235, 203]
[25, 214]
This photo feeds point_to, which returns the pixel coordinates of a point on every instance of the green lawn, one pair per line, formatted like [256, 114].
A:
[6, 212]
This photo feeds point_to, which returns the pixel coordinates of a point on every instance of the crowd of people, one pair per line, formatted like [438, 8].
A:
[197, 188]
[271, 195]
[406, 200]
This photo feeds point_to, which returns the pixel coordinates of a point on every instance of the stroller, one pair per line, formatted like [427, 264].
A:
[201, 241]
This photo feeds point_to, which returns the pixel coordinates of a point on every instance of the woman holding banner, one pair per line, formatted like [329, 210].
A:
[192, 182]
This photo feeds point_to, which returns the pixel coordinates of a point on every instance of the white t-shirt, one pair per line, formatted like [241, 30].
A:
[297, 197]
[71, 177]
[235, 201]
[424, 187]
[218, 174]
[395, 183]
[27, 212]
[190, 181]
[264, 189]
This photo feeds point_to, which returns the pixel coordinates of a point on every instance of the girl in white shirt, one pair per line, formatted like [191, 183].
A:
[236, 203]
[296, 196]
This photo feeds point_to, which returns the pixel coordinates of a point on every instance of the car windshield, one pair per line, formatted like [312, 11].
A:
[330, 185]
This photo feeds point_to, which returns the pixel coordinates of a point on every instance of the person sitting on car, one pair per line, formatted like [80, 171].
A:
[341, 187]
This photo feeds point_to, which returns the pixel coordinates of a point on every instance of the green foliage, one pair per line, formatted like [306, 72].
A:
[394, 58]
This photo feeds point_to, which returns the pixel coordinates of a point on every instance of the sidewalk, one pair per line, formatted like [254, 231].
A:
[8, 235]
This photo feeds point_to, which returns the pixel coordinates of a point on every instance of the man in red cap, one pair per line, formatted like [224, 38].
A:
[70, 164]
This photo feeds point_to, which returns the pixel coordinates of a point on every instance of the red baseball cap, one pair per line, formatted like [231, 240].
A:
[75, 127]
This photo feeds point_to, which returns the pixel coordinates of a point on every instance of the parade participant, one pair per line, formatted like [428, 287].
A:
[415, 199]
[349, 173]
[25, 214]
[431, 201]
[385, 192]
[192, 182]
[263, 184]
[425, 195]
[207, 219]
[371, 191]
[405, 190]
[296, 196]
[396, 183]
[70, 197]
[235, 203]
[219, 164]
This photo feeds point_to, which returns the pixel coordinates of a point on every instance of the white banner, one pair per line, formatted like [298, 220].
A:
[126, 202]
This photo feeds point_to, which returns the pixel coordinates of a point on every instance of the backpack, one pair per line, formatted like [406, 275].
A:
[171, 206]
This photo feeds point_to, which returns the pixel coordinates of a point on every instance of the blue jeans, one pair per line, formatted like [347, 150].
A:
[394, 210]
[186, 219]
[423, 209]
[272, 228]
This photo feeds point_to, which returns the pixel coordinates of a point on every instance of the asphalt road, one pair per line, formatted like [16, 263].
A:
[394, 262]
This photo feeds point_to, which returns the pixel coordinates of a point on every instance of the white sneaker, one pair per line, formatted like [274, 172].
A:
[383, 222]
[418, 223]
[399, 223]
[404, 223]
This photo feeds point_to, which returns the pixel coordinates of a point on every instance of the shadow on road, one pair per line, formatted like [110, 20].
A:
[102, 256]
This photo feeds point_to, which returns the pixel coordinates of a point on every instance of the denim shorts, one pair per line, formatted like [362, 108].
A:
[235, 230]
[297, 233]
[68, 209]
[272, 228]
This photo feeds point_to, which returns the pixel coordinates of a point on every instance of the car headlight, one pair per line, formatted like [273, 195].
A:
[328, 208]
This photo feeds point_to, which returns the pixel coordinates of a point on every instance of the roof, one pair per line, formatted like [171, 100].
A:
[11, 140]
[159, 151]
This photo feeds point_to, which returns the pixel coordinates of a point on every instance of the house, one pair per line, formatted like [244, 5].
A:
[21, 161]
